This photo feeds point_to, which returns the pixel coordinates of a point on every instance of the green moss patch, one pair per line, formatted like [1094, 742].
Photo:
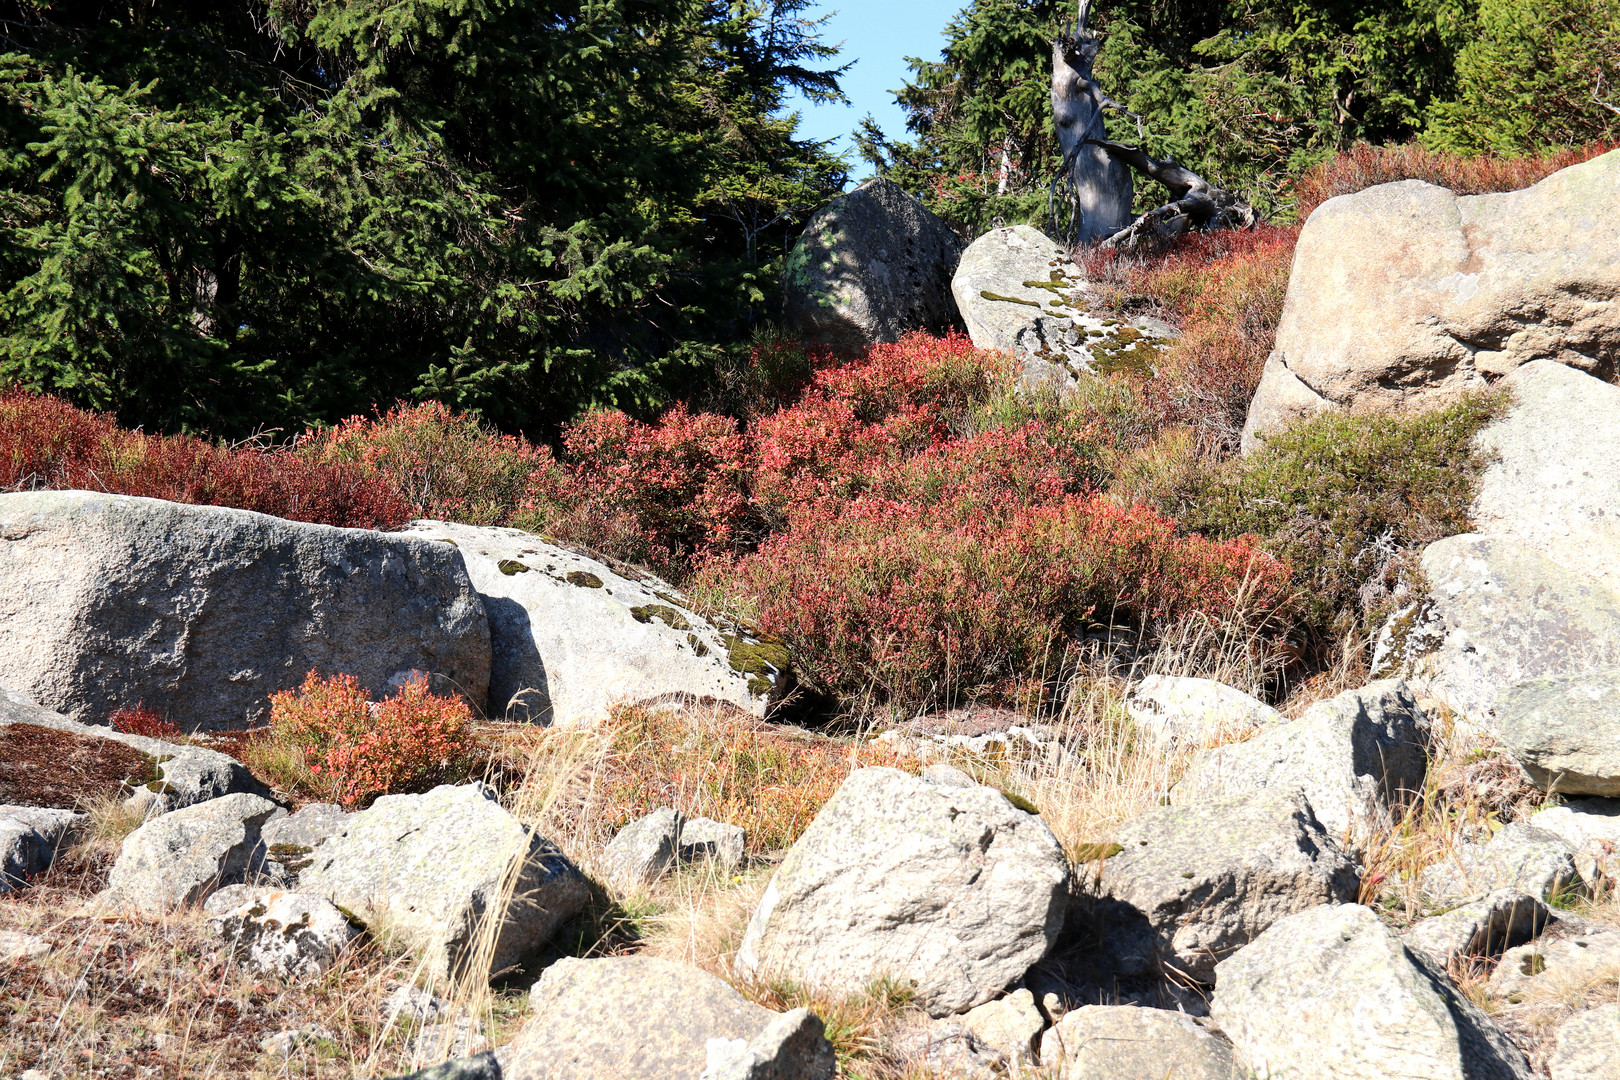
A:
[988, 295]
[668, 615]
[511, 566]
[583, 579]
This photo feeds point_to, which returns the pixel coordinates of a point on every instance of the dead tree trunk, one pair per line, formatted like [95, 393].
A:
[1096, 188]
[1095, 178]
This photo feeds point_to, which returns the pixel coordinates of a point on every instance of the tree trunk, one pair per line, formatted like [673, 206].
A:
[1100, 187]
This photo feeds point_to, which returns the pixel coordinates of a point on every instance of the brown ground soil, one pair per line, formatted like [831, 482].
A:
[47, 767]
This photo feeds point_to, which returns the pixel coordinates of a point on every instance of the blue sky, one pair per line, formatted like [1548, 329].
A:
[878, 35]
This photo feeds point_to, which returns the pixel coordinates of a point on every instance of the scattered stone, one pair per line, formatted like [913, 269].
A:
[666, 1022]
[16, 946]
[953, 891]
[571, 636]
[1208, 879]
[285, 934]
[433, 867]
[1520, 857]
[1008, 1025]
[1482, 929]
[946, 1047]
[947, 776]
[1497, 614]
[716, 841]
[643, 850]
[410, 1003]
[1564, 731]
[1356, 756]
[1556, 966]
[482, 1067]
[1553, 481]
[1197, 712]
[283, 1043]
[290, 841]
[1404, 295]
[168, 775]
[159, 601]
[183, 856]
[1588, 1046]
[1020, 292]
[459, 1038]
[1123, 1042]
[1332, 994]
[1592, 828]
[30, 837]
[870, 265]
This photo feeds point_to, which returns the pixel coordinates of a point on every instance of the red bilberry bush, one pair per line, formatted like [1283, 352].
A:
[138, 719]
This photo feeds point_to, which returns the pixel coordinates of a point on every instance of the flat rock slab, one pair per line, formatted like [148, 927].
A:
[1331, 993]
[1123, 1042]
[60, 762]
[1208, 879]
[1481, 929]
[1355, 756]
[1404, 295]
[1587, 1046]
[1197, 712]
[1499, 613]
[110, 600]
[1520, 857]
[1019, 291]
[432, 868]
[870, 266]
[183, 856]
[286, 934]
[1591, 827]
[1564, 731]
[640, 1018]
[290, 842]
[572, 636]
[1553, 484]
[954, 891]
[1552, 967]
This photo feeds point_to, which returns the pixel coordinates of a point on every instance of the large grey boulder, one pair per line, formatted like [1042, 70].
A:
[289, 935]
[952, 891]
[1587, 1046]
[640, 1018]
[1519, 857]
[1404, 295]
[1210, 878]
[1020, 292]
[1553, 482]
[1123, 1042]
[571, 636]
[1355, 756]
[719, 842]
[185, 774]
[452, 874]
[1499, 613]
[30, 838]
[1197, 712]
[112, 600]
[869, 266]
[1564, 731]
[182, 857]
[1332, 994]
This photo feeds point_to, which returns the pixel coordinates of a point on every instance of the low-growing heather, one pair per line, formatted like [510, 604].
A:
[328, 739]
[139, 719]
[1345, 499]
[47, 443]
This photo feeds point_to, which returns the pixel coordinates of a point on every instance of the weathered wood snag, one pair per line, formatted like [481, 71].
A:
[1095, 178]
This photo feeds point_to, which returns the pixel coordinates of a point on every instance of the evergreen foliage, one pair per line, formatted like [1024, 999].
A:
[226, 216]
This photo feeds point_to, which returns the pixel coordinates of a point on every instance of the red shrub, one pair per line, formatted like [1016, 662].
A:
[355, 750]
[441, 464]
[46, 443]
[140, 720]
